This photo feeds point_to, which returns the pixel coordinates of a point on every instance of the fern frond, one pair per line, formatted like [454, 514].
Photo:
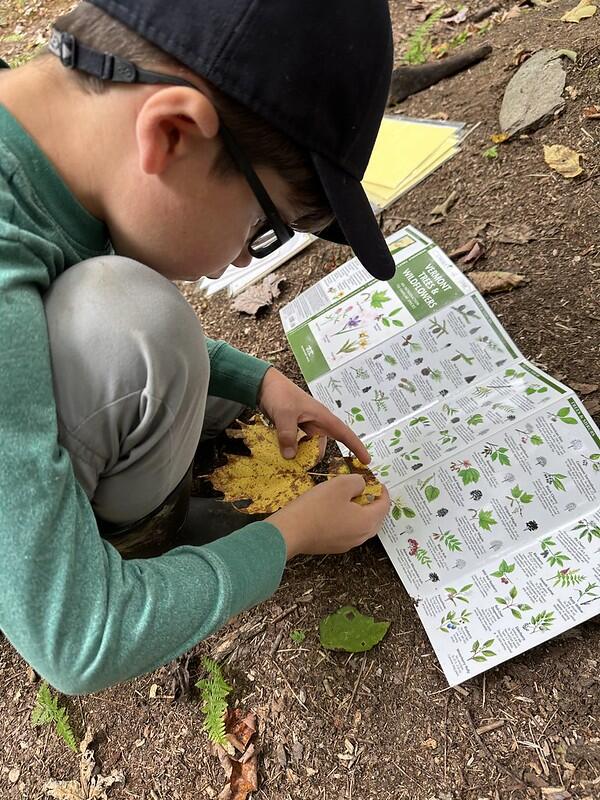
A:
[418, 46]
[215, 690]
[47, 710]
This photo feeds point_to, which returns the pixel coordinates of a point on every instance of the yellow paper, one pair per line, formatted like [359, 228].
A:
[401, 146]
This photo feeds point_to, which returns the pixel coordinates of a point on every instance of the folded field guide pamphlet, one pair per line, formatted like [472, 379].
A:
[493, 466]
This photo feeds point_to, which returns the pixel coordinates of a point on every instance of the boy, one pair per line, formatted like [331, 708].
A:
[181, 137]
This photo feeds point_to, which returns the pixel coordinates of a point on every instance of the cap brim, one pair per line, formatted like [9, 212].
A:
[355, 224]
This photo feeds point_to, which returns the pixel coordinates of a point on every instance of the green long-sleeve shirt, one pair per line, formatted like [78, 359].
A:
[76, 611]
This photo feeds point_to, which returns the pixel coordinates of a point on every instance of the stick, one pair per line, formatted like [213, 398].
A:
[490, 755]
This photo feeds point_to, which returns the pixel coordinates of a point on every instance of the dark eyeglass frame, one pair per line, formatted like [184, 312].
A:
[274, 232]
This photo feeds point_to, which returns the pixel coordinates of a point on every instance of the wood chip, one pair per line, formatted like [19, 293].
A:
[440, 211]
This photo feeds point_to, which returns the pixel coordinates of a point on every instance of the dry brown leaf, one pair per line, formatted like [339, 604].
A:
[582, 10]
[584, 388]
[514, 234]
[347, 466]
[563, 160]
[265, 477]
[494, 281]
[591, 112]
[89, 786]
[469, 252]
[498, 138]
[258, 296]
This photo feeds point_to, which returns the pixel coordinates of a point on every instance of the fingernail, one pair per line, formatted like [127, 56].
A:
[289, 452]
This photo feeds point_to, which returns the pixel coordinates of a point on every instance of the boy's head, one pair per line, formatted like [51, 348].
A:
[302, 103]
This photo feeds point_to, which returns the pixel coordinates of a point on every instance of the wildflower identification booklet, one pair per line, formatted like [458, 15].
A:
[492, 465]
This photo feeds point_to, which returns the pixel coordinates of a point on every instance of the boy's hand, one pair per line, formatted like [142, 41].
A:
[290, 408]
[325, 520]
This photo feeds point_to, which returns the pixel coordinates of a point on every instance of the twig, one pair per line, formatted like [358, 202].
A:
[490, 755]
[284, 614]
[479, 16]
[360, 674]
[276, 643]
[491, 726]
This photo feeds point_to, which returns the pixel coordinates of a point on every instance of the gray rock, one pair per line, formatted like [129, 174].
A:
[534, 93]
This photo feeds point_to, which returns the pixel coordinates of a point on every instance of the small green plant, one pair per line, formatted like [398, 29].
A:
[503, 571]
[486, 520]
[518, 498]
[47, 711]
[298, 636]
[555, 557]
[399, 510]
[540, 622]
[214, 690]
[491, 152]
[419, 44]
[451, 621]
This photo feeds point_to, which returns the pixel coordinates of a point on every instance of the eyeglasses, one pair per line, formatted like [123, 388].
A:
[274, 232]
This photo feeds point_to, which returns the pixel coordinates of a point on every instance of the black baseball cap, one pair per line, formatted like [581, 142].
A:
[318, 70]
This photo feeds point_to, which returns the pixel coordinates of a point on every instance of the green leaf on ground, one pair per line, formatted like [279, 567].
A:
[347, 629]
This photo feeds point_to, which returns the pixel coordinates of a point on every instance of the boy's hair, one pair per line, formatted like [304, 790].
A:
[263, 144]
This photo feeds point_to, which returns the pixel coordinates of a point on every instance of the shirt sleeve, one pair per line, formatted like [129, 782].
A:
[83, 617]
[234, 375]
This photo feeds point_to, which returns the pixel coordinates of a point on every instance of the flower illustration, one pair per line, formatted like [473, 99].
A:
[353, 322]
[413, 546]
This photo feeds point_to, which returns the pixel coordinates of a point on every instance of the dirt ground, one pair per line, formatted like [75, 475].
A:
[383, 724]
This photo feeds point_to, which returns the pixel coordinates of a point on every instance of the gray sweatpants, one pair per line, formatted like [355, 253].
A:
[131, 373]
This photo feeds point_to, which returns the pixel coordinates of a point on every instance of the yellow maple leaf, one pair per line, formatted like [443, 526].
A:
[346, 466]
[581, 11]
[563, 160]
[265, 477]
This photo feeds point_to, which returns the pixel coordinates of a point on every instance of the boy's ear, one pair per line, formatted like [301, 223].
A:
[170, 122]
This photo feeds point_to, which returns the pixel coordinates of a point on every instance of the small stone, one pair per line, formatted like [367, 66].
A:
[534, 94]
[14, 774]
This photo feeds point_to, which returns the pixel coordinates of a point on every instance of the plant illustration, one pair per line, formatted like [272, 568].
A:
[555, 557]
[483, 391]
[438, 329]
[396, 438]
[47, 711]
[431, 492]
[518, 498]
[467, 315]
[380, 399]
[463, 357]
[407, 385]
[351, 322]
[361, 373]
[414, 347]
[400, 510]
[489, 343]
[334, 385]
[540, 622]
[485, 520]
[414, 455]
[355, 415]
[568, 577]
[513, 374]
[455, 596]
[446, 438]
[382, 470]
[563, 415]
[436, 375]
[448, 540]
[475, 419]
[536, 389]
[378, 298]
[390, 360]
[418, 552]
[451, 621]
[416, 421]
[466, 472]
[388, 322]
[449, 411]
[533, 438]
[481, 652]
[503, 407]
[555, 479]
[587, 530]
[503, 571]
[496, 453]
[593, 460]
[214, 690]
[349, 346]
[589, 592]
[510, 603]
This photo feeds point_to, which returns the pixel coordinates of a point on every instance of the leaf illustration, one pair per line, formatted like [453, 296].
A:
[486, 520]
[432, 493]
[469, 475]
[349, 630]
